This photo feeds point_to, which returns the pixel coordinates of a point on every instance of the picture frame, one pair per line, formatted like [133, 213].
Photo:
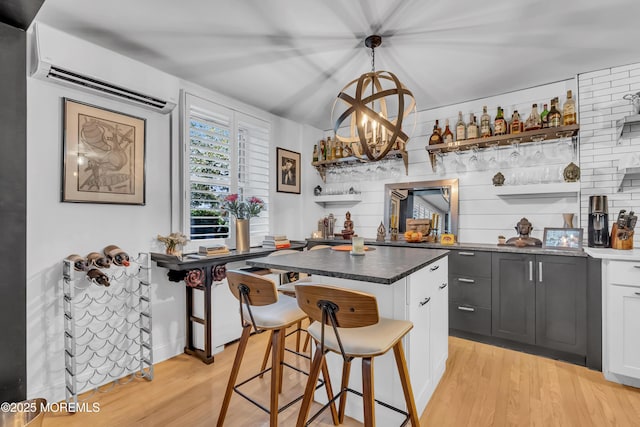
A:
[103, 155]
[562, 238]
[287, 171]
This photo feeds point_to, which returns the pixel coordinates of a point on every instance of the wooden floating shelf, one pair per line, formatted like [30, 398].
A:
[523, 137]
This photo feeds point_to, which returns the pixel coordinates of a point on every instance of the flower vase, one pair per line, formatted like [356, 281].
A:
[242, 235]
[568, 220]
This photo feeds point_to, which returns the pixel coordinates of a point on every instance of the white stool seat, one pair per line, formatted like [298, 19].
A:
[282, 313]
[366, 341]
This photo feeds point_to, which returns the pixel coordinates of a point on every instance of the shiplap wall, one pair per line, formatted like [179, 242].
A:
[483, 215]
[601, 104]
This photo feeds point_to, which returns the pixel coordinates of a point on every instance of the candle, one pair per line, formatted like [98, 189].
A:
[358, 245]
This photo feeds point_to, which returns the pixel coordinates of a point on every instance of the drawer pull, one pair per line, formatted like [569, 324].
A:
[425, 301]
[470, 309]
[531, 271]
[466, 253]
[444, 285]
[434, 268]
[462, 279]
[540, 271]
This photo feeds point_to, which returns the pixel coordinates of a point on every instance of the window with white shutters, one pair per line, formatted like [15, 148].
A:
[226, 152]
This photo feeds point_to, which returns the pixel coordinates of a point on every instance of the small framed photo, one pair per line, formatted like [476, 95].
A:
[562, 238]
[103, 155]
[288, 170]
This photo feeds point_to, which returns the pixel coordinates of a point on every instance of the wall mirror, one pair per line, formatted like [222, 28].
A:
[421, 199]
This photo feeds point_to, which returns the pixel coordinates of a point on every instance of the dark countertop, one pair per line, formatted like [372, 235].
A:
[459, 246]
[184, 263]
[384, 265]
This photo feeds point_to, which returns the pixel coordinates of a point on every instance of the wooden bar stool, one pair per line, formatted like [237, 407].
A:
[262, 309]
[355, 329]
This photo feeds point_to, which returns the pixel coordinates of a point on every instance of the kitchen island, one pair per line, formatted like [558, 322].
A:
[410, 284]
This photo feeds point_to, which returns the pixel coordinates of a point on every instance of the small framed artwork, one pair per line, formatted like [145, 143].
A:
[288, 170]
[103, 155]
[562, 238]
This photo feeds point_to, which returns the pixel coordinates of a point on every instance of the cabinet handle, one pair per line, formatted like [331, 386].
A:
[466, 253]
[434, 268]
[424, 301]
[531, 271]
[540, 271]
[470, 309]
[444, 285]
[462, 279]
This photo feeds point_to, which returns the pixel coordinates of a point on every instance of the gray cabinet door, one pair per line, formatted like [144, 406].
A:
[561, 303]
[513, 297]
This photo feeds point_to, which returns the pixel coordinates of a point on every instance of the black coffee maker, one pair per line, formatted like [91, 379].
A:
[598, 222]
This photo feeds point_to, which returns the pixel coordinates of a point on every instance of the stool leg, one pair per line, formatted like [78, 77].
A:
[401, 362]
[346, 371]
[283, 337]
[367, 392]
[316, 365]
[299, 328]
[276, 376]
[265, 359]
[329, 390]
[242, 346]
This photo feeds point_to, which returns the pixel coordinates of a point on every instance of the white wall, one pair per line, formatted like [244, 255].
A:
[601, 104]
[483, 216]
[57, 229]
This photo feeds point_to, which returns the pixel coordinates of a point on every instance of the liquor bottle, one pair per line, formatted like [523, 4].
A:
[500, 124]
[338, 149]
[116, 255]
[472, 128]
[439, 129]
[533, 121]
[544, 117]
[569, 110]
[98, 277]
[514, 126]
[460, 128]
[554, 116]
[79, 263]
[330, 149]
[436, 137]
[96, 259]
[485, 123]
[322, 151]
[447, 136]
[315, 153]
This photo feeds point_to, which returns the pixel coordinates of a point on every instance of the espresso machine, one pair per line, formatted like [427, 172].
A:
[598, 222]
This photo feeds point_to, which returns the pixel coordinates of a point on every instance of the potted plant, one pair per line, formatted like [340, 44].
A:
[173, 243]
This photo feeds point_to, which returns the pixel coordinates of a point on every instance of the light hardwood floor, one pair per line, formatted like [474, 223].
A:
[483, 386]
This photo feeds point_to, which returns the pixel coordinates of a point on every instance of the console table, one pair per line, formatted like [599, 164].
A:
[200, 274]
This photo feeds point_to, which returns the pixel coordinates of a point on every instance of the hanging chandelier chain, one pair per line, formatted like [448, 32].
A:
[373, 59]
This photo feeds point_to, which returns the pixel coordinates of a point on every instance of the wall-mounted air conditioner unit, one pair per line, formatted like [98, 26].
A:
[61, 58]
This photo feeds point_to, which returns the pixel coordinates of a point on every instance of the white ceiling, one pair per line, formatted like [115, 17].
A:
[292, 57]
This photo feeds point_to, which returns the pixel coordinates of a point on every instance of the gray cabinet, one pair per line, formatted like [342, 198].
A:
[561, 303]
[513, 301]
[470, 291]
[541, 300]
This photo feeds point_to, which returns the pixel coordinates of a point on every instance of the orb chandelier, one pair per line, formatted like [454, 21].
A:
[371, 111]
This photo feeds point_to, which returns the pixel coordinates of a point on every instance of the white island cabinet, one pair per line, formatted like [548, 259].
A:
[620, 314]
[409, 284]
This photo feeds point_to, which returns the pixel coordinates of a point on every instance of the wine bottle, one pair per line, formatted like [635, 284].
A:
[485, 123]
[117, 256]
[460, 128]
[569, 110]
[98, 277]
[436, 137]
[472, 128]
[322, 151]
[315, 153]
[500, 124]
[96, 259]
[544, 117]
[447, 136]
[533, 121]
[554, 116]
[79, 263]
[514, 126]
